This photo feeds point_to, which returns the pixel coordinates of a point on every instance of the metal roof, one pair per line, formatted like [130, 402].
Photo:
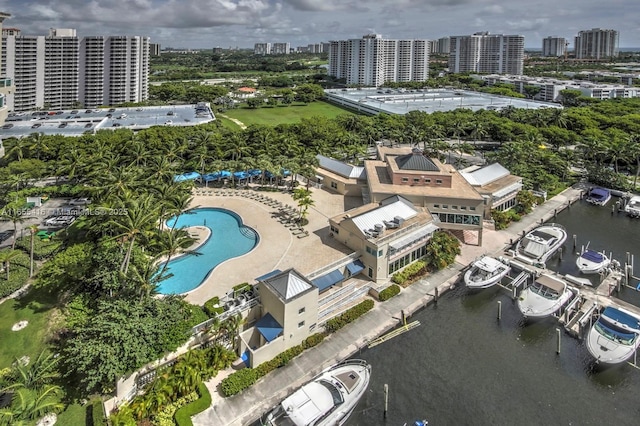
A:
[486, 174]
[288, 284]
[413, 237]
[340, 168]
[387, 212]
[416, 161]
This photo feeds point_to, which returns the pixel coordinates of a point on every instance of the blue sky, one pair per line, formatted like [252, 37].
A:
[231, 23]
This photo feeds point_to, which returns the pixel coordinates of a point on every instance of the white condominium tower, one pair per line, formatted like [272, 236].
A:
[6, 86]
[486, 53]
[114, 70]
[554, 46]
[372, 60]
[62, 71]
[596, 44]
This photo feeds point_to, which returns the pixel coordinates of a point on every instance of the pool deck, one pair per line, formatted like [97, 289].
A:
[278, 247]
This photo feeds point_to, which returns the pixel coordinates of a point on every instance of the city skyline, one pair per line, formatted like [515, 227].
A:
[242, 23]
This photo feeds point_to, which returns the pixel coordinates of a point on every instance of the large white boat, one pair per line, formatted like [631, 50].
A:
[632, 207]
[539, 245]
[598, 196]
[544, 297]
[327, 400]
[613, 338]
[592, 262]
[485, 272]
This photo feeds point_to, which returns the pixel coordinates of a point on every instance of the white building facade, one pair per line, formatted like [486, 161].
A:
[280, 48]
[596, 44]
[262, 48]
[372, 60]
[554, 46]
[486, 53]
[62, 71]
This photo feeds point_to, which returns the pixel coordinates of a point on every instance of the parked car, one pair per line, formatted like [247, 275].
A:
[5, 235]
[75, 111]
[7, 126]
[35, 126]
[79, 202]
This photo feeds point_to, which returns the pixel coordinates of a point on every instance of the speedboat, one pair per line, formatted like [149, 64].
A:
[592, 262]
[327, 400]
[544, 297]
[632, 207]
[485, 272]
[598, 196]
[536, 247]
[613, 338]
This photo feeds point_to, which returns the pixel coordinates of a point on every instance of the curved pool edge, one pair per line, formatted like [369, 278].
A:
[240, 219]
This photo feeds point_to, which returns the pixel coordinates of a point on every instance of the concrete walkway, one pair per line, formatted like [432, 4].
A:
[235, 120]
[248, 406]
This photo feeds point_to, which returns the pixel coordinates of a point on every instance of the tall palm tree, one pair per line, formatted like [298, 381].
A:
[172, 242]
[15, 216]
[6, 257]
[139, 215]
[232, 326]
[33, 229]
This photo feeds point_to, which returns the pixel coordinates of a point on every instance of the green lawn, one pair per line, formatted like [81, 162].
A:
[282, 114]
[74, 414]
[35, 307]
[226, 123]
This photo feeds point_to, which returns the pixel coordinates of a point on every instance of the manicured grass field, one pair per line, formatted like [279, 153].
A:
[226, 123]
[282, 114]
[74, 414]
[35, 307]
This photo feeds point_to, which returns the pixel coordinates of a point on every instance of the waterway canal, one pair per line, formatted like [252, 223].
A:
[464, 367]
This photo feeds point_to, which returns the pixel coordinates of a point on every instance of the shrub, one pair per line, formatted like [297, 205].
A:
[415, 269]
[210, 307]
[42, 249]
[238, 381]
[97, 413]
[165, 416]
[241, 288]
[348, 316]
[389, 292]
[313, 340]
[18, 275]
[183, 415]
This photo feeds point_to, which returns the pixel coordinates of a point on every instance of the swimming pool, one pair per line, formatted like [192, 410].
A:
[229, 238]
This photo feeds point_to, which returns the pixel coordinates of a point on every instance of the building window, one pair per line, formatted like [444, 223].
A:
[416, 180]
[405, 180]
[438, 181]
[427, 181]
[445, 206]
[436, 206]
[463, 207]
[301, 324]
[472, 208]
[334, 185]
[370, 272]
[301, 310]
[454, 207]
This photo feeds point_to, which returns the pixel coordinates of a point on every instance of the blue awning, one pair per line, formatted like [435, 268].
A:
[355, 267]
[186, 176]
[268, 275]
[326, 281]
[269, 327]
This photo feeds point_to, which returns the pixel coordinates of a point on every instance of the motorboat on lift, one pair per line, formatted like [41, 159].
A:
[592, 262]
[598, 196]
[545, 297]
[486, 272]
[327, 400]
[632, 207]
[613, 338]
[536, 247]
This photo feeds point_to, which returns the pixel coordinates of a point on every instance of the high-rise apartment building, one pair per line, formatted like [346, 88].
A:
[61, 71]
[554, 46]
[280, 48]
[154, 49]
[596, 44]
[6, 86]
[262, 49]
[372, 60]
[442, 45]
[487, 53]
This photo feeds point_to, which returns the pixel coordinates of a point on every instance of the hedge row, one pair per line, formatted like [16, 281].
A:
[242, 379]
[18, 275]
[184, 414]
[42, 249]
[348, 316]
[389, 292]
[210, 308]
[411, 271]
[97, 413]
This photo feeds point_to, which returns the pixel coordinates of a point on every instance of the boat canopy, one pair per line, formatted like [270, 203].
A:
[553, 283]
[309, 403]
[593, 256]
[489, 264]
[621, 317]
[599, 193]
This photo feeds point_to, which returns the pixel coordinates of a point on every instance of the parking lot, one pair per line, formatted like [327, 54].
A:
[53, 215]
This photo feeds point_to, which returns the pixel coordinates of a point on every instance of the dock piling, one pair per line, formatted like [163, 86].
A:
[560, 252]
[386, 399]
[559, 334]
[575, 241]
[435, 299]
[499, 310]
[514, 295]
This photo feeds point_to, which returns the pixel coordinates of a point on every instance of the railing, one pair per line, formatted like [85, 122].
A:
[334, 265]
[329, 312]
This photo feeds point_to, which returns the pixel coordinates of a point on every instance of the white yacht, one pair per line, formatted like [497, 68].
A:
[592, 262]
[485, 272]
[544, 297]
[598, 196]
[536, 247]
[613, 338]
[327, 400]
[632, 208]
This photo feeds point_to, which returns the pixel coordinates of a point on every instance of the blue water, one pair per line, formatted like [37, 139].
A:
[229, 238]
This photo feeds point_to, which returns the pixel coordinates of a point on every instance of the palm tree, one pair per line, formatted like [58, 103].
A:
[139, 215]
[146, 279]
[172, 242]
[232, 326]
[37, 144]
[6, 257]
[15, 216]
[33, 229]
[36, 374]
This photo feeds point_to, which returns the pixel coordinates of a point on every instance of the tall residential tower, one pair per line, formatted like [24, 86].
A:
[596, 44]
[487, 53]
[554, 46]
[372, 60]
